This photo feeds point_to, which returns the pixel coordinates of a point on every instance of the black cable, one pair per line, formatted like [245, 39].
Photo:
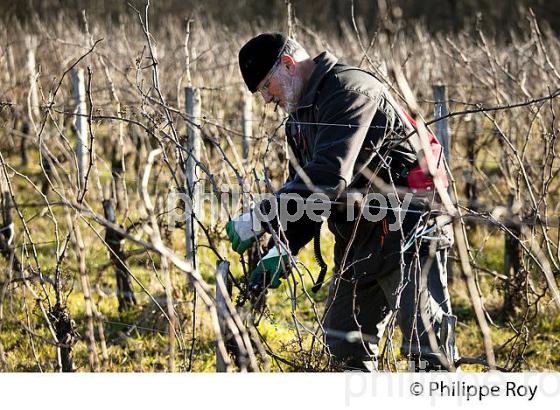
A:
[319, 259]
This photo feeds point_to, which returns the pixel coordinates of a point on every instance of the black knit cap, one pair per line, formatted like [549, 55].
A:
[258, 55]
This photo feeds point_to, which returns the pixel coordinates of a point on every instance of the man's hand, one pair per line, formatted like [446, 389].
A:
[242, 233]
[269, 270]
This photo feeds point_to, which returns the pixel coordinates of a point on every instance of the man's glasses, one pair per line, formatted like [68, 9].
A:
[266, 82]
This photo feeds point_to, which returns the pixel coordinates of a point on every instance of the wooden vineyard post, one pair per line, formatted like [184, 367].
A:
[115, 241]
[442, 134]
[470, 191]
[33, 97]
[80, 122]
[442, 126]
[515, 277]
[247, 123]
[222, 270]
[193, 108]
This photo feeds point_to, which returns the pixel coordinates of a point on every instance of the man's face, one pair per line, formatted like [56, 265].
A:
[282, 86]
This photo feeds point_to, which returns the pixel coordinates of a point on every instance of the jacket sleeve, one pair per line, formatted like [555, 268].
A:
[299, 233]
[343, 122]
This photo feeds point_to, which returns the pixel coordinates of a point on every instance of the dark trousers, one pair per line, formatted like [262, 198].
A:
[361, 303]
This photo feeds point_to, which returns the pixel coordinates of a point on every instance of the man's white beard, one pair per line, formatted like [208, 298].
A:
[291, 88]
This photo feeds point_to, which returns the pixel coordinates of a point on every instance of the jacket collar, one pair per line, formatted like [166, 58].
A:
[324, 62]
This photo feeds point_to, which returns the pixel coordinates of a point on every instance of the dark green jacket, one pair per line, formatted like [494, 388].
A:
[343, 119]
[346, 122]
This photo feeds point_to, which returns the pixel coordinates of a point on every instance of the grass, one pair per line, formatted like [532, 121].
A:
[137, 338]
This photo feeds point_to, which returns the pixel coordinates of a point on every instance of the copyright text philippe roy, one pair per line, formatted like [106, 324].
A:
[461, 388]
[474, 392]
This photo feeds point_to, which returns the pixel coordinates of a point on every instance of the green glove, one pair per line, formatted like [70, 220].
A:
[269, 270]
[243, 231]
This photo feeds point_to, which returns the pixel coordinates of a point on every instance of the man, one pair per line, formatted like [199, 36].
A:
[347, 135]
